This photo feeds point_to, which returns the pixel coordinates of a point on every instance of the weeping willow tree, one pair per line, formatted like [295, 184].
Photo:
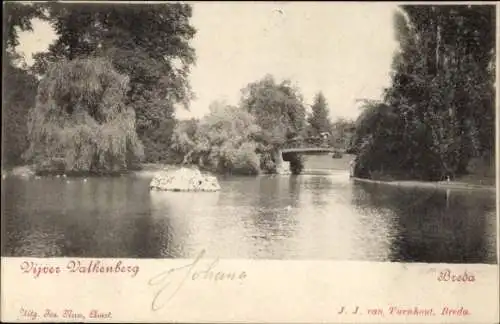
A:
[80, 122]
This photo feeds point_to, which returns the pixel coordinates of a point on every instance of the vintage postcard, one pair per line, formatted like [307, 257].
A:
[247, 162]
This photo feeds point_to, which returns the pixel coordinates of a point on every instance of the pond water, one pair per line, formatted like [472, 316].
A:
[312, 216]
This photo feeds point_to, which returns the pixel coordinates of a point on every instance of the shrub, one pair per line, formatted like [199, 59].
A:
[223, 141]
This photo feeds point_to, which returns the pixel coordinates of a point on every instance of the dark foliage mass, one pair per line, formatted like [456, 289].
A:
[150, 43]
[439, 112]
[19, 91]
[80, 122]
[18, 85]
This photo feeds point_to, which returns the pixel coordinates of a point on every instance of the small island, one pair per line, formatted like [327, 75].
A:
[184, 179]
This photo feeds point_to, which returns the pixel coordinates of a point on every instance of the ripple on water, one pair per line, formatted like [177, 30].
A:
[311, 216]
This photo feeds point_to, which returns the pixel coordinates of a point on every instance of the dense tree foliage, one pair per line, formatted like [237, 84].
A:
[223, 141]
[184, 140]
[80, 122]
[278, 108]
[279, 111]
[436, 116]
[439, 111]
[19, 91]
[18, 85]
[18, 17]
[147, 42]
[342, 132]
[245, 139]
[319, 120]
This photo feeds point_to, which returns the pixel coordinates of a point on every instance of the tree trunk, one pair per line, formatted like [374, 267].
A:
[187, 157]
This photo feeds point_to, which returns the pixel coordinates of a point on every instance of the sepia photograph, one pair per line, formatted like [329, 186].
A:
[156, 130]
[249, 131]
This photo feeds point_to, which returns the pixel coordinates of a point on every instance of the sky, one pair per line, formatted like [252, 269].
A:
[342, 49]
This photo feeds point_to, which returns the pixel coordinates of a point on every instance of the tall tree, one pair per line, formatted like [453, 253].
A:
[279, 111]
[148, 42]
[18, 85]
[319, 120]
[278, 108]
[442, 89]
[456, 51]
[459, 53]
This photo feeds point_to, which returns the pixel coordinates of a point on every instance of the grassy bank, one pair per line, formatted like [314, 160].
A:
[481, 174]
[425, 184]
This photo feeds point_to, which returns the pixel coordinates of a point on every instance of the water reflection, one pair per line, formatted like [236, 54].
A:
[434, 225]
[331, 226]
[72, 217]
[187, 220]
[315, 216]
[274, 215]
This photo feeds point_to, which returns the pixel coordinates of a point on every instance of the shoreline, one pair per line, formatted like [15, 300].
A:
[146, 170]
[150, 169]
[429, 184]
[27, 171]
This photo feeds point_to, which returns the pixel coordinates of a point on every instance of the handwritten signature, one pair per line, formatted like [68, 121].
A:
[168, 279]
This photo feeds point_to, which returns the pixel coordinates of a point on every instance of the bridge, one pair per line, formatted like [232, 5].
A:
[310, 150]
[311, 145]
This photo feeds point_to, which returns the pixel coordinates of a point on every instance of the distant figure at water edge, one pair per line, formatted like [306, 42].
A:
[352, 165]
